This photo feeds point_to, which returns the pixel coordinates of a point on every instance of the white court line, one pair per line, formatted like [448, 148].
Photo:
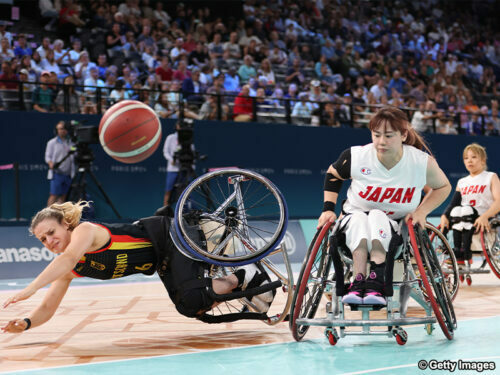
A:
[415, 365]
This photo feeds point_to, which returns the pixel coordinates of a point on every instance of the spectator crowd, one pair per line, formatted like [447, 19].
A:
[311, 62]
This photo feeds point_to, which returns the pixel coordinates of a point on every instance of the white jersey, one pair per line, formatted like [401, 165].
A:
[396, 191]
[476, 191]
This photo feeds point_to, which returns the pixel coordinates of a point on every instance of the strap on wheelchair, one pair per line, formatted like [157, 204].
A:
[244, 293]
[340, 289]
[396, 240]
[228, 318]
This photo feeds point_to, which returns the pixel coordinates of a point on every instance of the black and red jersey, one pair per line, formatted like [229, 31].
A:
[128, 251]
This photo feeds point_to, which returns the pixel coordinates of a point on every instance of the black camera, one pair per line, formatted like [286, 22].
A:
[186, 155]
[82, 134]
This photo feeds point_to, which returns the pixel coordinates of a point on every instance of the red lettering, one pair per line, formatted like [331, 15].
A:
[365, 194]
[481, 190]
[396, 198]
[408, 195]
[375, 195]
[464, 191]
[387, 194]
[475, 189]
[471, 188]
[389, 213]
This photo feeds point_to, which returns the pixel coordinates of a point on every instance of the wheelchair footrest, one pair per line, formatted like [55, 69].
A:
[366, 307]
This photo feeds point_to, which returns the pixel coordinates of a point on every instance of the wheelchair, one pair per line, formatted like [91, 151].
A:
[241, 218]
[485, 247]
[327, 269]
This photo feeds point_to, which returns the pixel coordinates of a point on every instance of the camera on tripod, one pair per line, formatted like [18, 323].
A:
[82, 136]
[186, 155]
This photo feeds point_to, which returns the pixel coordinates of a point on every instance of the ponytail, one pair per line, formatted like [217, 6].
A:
[68, 213]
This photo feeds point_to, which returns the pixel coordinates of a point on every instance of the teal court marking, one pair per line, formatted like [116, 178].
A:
[475, 339]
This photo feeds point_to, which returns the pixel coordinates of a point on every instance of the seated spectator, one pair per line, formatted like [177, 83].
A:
[209, 110]
[295, 74]
[192, 88]
[164, 72]
[118, 93]
[69, 19]
[243, 105]
[475, 70]
[189, 44]
[231, 81]
[151, 90]
[92, 83]
[218, 87]
[181, 73]
[49, 13]
[50, 64]
[6, 53]
[246, 71]
[330, 117]
[316, 94]
[488, 82]
[161, 15]
[266, 71]
[216, 48]
[178, 52]
[115, 40]
[74, 54]
[397, 82]
[302, 111]
[8, 75]
[44, 47]
[43, 96]
[344, 111]
[491, 130]
[422, 120]
[232, 48]
[149, 58]
[22, 46]
[67, 99]
[130, 47]
[292, 95]
[102, 65]
[199, 56]
[82, 68]
[278, 56]
[444, 124]
[61, 55]
[378, 90]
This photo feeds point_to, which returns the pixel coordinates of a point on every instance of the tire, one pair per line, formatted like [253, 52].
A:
[491, 250]
[307, 295]
[433, 280]
[243, 216]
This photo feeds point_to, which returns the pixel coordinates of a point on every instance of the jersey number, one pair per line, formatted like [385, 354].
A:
[472, 202]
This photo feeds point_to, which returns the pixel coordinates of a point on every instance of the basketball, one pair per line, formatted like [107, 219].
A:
[130, 131]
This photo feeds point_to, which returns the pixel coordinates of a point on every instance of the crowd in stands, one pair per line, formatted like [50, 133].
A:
[311, 62]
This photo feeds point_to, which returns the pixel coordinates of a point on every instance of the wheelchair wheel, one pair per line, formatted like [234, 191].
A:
[311, 283]
[491, 249]
[446, 258]
[241, 214]
[433, 280]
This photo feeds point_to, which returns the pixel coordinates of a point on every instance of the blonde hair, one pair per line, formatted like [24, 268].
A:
[68, 213]
[477, 149]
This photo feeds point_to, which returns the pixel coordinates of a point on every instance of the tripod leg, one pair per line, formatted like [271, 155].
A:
[99, 186]
[76, 191]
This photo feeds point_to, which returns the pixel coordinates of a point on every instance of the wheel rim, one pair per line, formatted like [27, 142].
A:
[308, 295]
[242, 214]
[446, 258]
[444, 309]
[492, 252]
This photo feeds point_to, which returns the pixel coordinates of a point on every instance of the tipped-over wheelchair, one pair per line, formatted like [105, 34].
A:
[485, 249]
[419, 287]
[229, 218]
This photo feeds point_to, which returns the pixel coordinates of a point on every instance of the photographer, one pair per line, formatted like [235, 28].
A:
[59, 157]
[176, 152]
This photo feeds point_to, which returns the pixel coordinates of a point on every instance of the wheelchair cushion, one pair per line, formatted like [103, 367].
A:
[255, 276]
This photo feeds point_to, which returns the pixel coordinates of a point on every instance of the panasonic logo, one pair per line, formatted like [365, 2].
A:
[23, 254]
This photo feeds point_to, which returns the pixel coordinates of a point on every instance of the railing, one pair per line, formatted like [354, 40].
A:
[95, 100]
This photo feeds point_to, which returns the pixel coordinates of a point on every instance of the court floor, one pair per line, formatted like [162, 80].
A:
[133, 328]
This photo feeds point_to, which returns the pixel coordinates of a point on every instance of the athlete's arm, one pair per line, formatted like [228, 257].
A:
[82, 240]
[45, 310]
[335, 175]
[455, 201]
[482, 222]
[438, 182]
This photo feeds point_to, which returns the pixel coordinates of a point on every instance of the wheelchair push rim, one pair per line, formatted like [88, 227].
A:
[310, 308]
[492, 252]
[446, 258]
[442, 306]
[243, 216]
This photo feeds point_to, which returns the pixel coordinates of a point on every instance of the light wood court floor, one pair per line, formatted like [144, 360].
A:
[137, 320]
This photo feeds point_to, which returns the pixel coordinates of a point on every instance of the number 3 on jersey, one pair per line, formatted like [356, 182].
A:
[472, 202]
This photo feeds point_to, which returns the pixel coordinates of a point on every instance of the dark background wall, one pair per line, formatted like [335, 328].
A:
[293, 157]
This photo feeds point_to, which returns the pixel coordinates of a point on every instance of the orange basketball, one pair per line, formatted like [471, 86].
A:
[130, 131]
